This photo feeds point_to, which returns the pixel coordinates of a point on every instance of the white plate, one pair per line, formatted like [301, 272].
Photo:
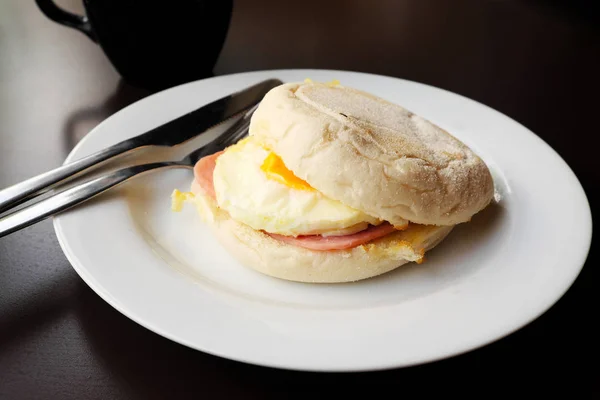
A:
[490, 277]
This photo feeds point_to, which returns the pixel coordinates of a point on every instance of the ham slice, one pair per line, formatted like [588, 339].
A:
[323, 243]
[203, 173]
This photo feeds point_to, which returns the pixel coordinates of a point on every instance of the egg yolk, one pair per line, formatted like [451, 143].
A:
[276, 170]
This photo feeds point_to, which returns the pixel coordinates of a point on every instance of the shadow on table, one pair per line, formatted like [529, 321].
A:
[35, 309]
[79, 123]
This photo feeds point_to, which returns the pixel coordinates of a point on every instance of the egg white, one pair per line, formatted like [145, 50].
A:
[245, 191]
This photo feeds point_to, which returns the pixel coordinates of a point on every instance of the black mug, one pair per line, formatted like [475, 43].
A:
[153, 44]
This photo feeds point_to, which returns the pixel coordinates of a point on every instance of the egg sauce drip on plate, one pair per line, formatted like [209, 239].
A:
[254, 186]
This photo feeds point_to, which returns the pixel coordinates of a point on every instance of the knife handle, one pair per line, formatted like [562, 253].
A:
[14, 195]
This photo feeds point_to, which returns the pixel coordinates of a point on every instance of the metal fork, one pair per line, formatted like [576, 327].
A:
[81, 193]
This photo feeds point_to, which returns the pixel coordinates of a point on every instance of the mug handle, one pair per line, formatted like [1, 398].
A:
[57, 14]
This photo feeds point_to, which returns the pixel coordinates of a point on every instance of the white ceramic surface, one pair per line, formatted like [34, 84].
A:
[490, 277]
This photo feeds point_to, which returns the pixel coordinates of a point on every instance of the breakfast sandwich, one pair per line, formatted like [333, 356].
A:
[336, 185]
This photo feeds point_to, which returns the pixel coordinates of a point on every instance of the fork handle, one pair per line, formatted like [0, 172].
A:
[74, 196]
[21, 192]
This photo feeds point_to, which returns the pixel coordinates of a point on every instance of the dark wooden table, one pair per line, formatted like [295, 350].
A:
[534, 61]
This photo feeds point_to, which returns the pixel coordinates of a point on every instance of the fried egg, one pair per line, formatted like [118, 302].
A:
[255, 187]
